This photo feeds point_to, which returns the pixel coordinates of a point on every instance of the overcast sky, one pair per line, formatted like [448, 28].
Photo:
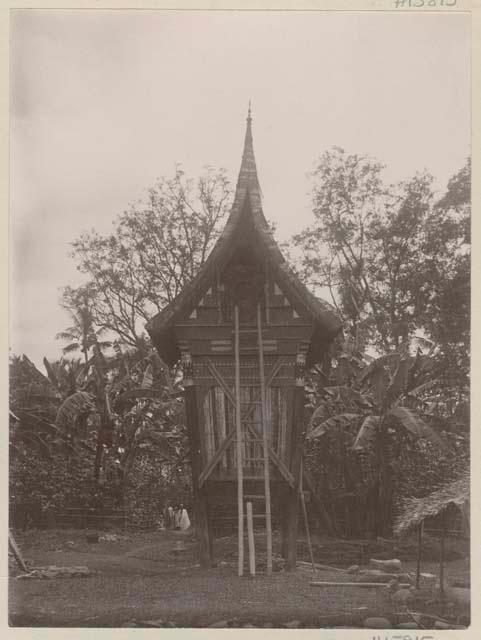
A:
[103, 102]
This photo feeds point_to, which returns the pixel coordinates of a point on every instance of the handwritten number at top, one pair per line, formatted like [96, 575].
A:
[418, 4]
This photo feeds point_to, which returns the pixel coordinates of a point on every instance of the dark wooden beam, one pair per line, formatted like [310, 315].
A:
[228, 325]
[201, 516]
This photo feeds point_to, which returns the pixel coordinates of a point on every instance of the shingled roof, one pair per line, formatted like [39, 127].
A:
[247, 203]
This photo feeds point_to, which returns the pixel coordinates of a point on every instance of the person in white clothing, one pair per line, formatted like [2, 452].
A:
[176, 517]
[170, 517]
[184, 518]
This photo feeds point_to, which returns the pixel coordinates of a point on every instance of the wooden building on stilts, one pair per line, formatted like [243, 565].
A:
[245, 329]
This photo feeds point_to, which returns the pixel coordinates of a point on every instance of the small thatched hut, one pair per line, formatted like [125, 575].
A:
[416, 510]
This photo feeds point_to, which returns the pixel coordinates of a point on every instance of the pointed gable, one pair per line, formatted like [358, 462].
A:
[246, 233]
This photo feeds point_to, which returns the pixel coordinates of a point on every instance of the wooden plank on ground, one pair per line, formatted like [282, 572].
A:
[325, 567]
[356, 584]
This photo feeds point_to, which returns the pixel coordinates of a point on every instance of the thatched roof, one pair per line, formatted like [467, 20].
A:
[246, 212]
[415, 510]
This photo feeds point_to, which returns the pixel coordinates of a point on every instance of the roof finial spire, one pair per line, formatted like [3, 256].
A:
[247, 179]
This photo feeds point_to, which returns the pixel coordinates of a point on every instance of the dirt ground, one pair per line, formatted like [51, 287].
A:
[140, 579]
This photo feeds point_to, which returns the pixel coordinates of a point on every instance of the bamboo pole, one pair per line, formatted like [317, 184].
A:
[441, 559]
[240, 497]
[250, 540]
[267, 485]
[420, 542]
[306, 523]
[16, 551]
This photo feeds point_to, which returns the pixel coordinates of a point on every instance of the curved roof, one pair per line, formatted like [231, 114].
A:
[247, 203]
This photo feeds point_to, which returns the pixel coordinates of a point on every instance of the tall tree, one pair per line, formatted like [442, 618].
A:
[391, 258]
[447, 269]
[157, 246]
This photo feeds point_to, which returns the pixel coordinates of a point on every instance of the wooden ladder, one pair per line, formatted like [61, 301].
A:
[241, 428]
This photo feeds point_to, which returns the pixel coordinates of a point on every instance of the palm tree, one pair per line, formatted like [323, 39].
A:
[82, 335]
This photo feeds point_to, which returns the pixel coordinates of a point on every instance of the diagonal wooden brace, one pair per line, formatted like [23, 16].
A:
[227, 441]
[288, 477]
[216, 459]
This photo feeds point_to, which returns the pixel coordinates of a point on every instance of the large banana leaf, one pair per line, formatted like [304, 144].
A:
[73, 406]
[99, 360]
[423, 387]
[334, 422]
[38, 443]
[417, 427]
[379, 363]
[367, 434]
[160, 365]
[133, 394]
[160, 442]
[50, 372]
[398, 383]
[379, 381]
[148, 379]
[34, 372]
[347, 394]
[29, 421]
[70, 348]
[117, 349]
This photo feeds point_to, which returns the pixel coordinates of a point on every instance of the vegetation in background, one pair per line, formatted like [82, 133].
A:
[389, 410]
[396, 264]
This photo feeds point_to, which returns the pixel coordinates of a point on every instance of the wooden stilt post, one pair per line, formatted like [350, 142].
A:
[265, 442]
[238, 425]
[199, 494]
[250, 540]
[420, 543]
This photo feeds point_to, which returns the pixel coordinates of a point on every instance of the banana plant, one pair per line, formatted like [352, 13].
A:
[131, 402]
[372, 413]
[34, 402]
